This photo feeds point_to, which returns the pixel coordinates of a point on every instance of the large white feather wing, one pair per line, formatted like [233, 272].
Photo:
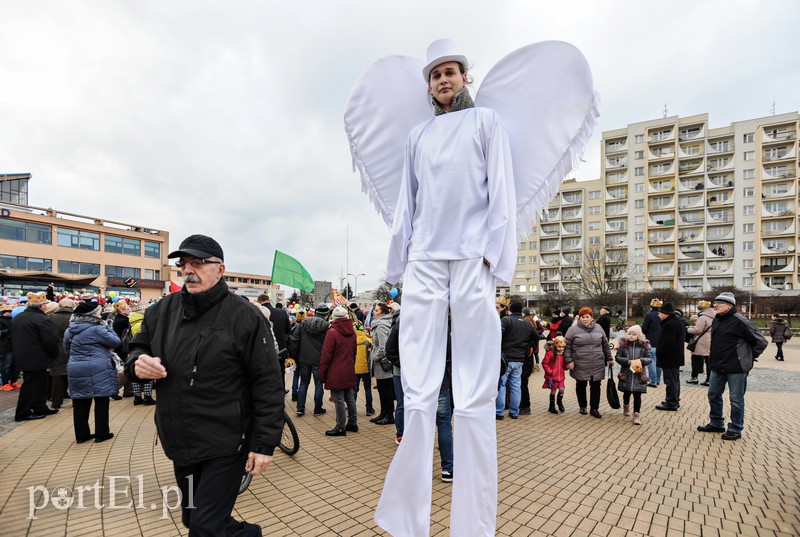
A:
[545, 99]
[388, 100]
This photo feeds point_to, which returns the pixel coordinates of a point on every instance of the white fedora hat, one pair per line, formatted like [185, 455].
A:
[442, 51]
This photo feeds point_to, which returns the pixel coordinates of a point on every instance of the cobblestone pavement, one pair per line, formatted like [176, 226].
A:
[561, 475]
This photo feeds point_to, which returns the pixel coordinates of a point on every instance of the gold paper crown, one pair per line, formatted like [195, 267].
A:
[704, 304]
[656, 303]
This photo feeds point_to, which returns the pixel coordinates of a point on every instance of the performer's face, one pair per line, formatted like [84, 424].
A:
[446, 80]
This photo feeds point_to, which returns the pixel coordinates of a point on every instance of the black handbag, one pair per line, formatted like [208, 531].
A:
[611, 390]
[692, 345]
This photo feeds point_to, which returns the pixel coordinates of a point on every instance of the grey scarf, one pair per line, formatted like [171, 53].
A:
[461, 101]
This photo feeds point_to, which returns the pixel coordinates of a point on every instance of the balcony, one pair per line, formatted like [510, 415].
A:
[616, 208]
[777, 283]
[616, 178]
[691, 201]
[697, 217]
[774, 136]
[549, 246]
[616, 241]
[691, 285]
[691, 235]
[690, 152]
[571, 198]
[717, 268]
[661, 136]
[690, 168]
[571, 259]
[691, 184]
[691, 134]
[720, 148]
[779, 246]
[572, 214]
[779, 172]
[724, 250]
[571, 229]
[655, 154]
[571, 244]
[772, 155]
[617, 193]
[550, 276]
[778, 231]
[662, 252]
[666, 235]
[717, 165]
[785, 190]
[660, 170]
[661, 186]
[662, 219]
[720, 216]
[550, 229]
[782, 265]
[616, 226]
[614, 163]
[720, 233]
[720, 181]
[690, 269]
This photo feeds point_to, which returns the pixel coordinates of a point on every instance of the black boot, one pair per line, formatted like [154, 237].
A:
[560, 402]
[552, 408]
[378, 418]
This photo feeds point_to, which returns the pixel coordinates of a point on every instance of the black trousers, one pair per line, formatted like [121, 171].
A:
[208, 494]
[672, 381]
[527, 370]
[80, 418]
[697, 365]
[637, 400]
[594, 393]
[386, 394]
[33, 394]
[59, 391]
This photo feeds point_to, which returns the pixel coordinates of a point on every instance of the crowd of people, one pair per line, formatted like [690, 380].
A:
[72, 349]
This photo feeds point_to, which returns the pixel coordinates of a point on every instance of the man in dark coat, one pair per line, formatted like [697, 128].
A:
[220, 404]
[566, 320]
[281, 328]
[306, 347]
[651, 326]
[519, 337]
[735, 344]
[35, 344]
[605, 321]
[670, 354]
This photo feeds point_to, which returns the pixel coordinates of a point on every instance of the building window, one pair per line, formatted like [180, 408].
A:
[748, 174]
[122, 272]
[639, 138]
[533, 245]
[638, 204]
[25, 231]
[594, 195]
[748, 228]
[748, 281]
[749, 137]
[749, 192]
[594, 226]
[594, 240]
[150, 274]
[748, 246]
[72, 238]
[639, 155]
[520, 259]
[639, 252]
[76, 267]
[640, 268]
[26, 263]
[594, 210]
[638, 172]
[749, 209]
[748, 263]
[123, 245]
[639, 220]
[638, 187]
[14, 191]
[639, 236]
[749, 155]
[532, 259]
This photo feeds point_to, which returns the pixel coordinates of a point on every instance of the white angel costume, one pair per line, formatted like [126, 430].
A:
[467, 183]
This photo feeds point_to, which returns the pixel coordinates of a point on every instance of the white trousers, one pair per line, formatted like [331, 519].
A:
[467, 289]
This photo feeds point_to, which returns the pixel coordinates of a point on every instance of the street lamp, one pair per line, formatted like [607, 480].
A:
[355, 287]
[750, 301]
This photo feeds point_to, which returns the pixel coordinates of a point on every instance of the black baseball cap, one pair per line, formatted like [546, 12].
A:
[199, 246]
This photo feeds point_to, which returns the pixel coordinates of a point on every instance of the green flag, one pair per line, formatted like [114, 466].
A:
[288, 271]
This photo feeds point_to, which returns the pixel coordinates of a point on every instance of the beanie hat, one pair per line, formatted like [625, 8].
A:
[338, 313]
[638, 331]
[395, 307]
[667, 308]
[87, 308]
[322, 309]
[50, 307]
[727, 298]
[36, 299]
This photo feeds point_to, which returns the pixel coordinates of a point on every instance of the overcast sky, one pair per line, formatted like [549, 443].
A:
[225, 118]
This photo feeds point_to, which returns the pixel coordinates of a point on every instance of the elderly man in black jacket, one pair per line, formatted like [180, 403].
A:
[519, 338]
[671, 354]
[35, 345]
[735, 345]
[220, 404]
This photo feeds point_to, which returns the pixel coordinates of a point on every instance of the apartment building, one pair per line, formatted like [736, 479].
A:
[77, 253]
[694, 207]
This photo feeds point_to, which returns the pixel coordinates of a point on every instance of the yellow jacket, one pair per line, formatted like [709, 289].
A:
[363, 343]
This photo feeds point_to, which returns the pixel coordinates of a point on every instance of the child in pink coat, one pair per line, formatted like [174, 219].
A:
[553, 365]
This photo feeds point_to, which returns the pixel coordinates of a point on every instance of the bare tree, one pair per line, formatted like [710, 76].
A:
[603, 274]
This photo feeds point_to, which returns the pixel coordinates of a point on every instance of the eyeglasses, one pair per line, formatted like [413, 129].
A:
[196, 263]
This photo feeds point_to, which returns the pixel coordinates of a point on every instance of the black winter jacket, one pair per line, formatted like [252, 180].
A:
[305, 343]
[519, 337]
[651, 326]
[34, 340]
[223, 392]
[735, 343]
[281, 324]
[671, 347]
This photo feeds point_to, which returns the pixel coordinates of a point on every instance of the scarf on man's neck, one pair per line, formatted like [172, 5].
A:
[461, 101]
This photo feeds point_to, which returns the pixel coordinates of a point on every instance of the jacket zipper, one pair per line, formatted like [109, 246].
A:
[194, 367]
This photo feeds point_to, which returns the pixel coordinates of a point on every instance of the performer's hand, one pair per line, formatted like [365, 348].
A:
[257, 463]
[570, 366]
[486, 262]
[149, 367]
